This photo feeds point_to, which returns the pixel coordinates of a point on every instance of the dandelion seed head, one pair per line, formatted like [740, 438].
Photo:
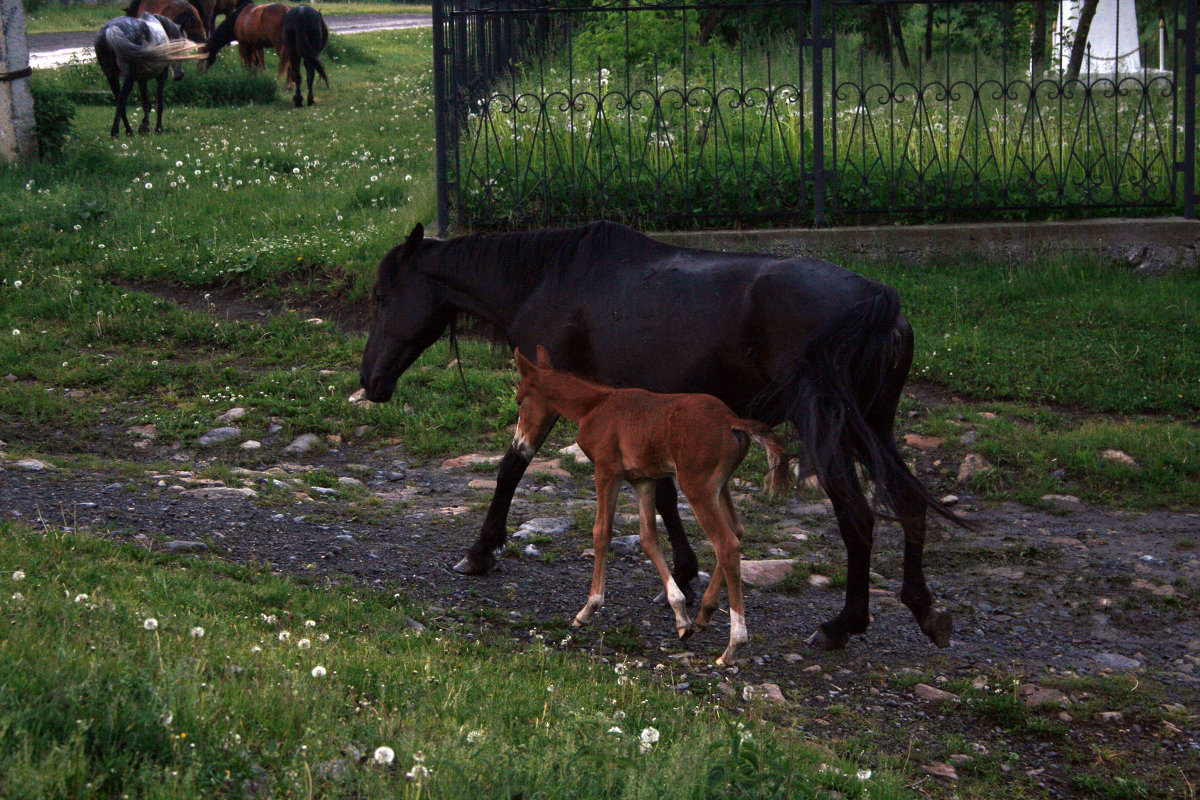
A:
[197, 632]
[19, 575]
[384, 755]
[318, 671]
[150, 624]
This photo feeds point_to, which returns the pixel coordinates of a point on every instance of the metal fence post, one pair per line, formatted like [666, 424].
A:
[441, 145]
[818, 105]
[1189, 112]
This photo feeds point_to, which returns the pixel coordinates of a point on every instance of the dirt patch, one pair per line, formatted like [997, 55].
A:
[1050, 598]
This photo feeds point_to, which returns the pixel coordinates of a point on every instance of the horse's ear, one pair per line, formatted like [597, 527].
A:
[414, 240]
[523, 364]
[543, 357]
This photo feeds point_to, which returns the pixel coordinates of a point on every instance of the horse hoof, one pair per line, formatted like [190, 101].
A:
[660, 598]
[823, 641]
[685, 633]
[472, 566]
[939, 628]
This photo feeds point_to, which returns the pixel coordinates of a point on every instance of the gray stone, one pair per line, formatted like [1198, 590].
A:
[532, 551]
[932, 694]
[232, 415]
[181, 546]
[1116, 661]
[551, 526]
[301, 444]
[971, 464]
[250, 444]
[34, 465]
[348, 481]
[220, 493]
[218, 435]
[626, 545]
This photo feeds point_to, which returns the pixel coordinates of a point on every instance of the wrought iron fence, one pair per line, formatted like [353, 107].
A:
[668, 114]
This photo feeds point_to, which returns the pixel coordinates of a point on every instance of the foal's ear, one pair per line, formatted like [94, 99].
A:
[523, 364]
[413, 240]
[543, 357]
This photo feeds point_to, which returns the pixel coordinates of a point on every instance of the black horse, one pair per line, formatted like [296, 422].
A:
[133, 50]
[304, 37]
[776, 339]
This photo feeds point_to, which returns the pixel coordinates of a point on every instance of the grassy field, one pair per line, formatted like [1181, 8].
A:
[58, 18]
[162, 280]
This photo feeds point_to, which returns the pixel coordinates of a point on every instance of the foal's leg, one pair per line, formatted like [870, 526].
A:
[650, 545]
[480, 557]
[712, 595]
[706, 503]
[682, 555]
[606, 505]
[857, 524]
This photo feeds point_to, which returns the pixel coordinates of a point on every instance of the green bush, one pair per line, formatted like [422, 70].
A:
[53, 113]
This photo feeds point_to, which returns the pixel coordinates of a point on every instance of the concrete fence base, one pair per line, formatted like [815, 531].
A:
[1146, 246]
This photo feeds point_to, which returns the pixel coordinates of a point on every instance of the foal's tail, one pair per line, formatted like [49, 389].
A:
[778, 479]
[845, 371]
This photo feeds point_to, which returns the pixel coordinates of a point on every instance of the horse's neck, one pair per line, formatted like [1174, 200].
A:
[477, 289]
[572, 397]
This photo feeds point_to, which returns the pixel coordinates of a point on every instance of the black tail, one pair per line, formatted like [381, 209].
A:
[842, 373]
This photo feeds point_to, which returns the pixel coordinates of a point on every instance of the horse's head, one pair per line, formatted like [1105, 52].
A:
[410, 315]
[174, 33]
[534, 410]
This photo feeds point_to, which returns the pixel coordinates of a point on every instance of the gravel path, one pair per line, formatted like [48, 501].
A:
[1037, 594]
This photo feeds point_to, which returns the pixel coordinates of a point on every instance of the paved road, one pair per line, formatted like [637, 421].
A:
[48, 50]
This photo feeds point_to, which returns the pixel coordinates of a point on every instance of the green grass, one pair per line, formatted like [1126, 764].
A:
[94, 704]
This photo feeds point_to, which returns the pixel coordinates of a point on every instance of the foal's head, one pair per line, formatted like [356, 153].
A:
[534, 409]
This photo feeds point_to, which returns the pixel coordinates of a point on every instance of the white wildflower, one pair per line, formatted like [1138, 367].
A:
[318, 671]
[197, 632]
[384, 755]
[150, 624]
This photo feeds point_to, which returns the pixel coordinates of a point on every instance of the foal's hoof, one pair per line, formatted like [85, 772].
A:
[823, 641]
[939, 627]
[475, 566]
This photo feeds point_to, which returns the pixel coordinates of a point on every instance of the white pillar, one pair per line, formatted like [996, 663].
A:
[17, 136]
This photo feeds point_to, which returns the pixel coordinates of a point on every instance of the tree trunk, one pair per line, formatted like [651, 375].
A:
[1037, 44]
[929, 31]
[1079, 48]
[893, 12]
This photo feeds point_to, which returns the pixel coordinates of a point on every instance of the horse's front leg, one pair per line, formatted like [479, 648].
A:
[481, 556]
[682, 555]
[606, 505]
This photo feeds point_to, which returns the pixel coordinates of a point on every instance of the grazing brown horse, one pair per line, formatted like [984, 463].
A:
[255, 27]
[186, 15]
[640, 437]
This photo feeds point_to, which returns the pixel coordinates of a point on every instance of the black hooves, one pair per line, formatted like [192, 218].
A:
[472, 565]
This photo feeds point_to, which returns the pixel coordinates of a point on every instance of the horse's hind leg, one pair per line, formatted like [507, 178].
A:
[911, 508]
[481, 557]
[857, 524]
[648, 531]
[682, 555]
[294, 77]
[606, 506]
[163, 77]
[144, 88]
[120, 116]
[712, 595]
[311, 73]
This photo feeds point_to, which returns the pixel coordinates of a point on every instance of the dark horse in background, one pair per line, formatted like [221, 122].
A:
[304, 37]
[256, 27]
[132, 51]
[778, 340]
[186, 15]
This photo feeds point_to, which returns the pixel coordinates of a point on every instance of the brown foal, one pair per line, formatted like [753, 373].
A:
[639, 436]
